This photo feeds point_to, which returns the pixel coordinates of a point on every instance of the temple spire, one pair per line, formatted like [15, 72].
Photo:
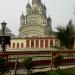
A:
[22, 12]
[36, 1]
[28, 1]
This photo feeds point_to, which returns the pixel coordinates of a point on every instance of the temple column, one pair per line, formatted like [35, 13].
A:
[44, 43]
[30, 43]
[48, 43]
[34, 43]
[53, 42]
[39, 43]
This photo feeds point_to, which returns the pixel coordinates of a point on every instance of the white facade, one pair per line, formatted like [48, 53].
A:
[33, 44]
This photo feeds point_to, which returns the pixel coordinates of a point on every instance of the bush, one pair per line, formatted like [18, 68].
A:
[57, 59]
[27, 64]
[3, 65]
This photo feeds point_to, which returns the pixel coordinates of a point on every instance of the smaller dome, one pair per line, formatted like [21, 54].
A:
[49, 19]
[70, 22]
[8, 32]
[22, 16]
[28, 5]
[44, 6]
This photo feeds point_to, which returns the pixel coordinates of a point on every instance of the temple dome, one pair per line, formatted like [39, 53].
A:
[22, 16]
[49, 19]
[28, 5]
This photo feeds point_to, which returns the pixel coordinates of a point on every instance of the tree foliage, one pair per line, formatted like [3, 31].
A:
[65, 35]
[57, 59]
[27, 64]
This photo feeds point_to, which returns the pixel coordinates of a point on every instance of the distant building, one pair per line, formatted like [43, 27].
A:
[7, 33]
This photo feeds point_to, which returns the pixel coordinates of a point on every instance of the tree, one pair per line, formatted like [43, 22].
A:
[57, 59]
[66, 35]
[27, 64]
[3, 65]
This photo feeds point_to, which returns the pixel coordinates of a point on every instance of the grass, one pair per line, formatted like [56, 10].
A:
[60, 72]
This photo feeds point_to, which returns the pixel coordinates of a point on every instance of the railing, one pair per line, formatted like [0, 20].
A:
[39, 58]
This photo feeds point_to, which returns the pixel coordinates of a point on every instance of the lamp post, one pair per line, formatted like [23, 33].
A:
[3, 38]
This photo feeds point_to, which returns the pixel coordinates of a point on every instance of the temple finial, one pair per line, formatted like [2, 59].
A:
[22, 12]
[49, 15]
[28, 1]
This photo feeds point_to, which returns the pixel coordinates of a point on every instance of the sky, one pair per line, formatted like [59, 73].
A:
[60, 11]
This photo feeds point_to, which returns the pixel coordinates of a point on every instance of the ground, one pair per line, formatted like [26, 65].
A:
[70, 71]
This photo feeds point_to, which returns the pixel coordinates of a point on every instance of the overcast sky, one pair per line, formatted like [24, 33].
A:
[60, 11]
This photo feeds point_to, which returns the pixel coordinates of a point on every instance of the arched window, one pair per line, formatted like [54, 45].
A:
[13, 45]
[17, 45]
[27, 43]
[22, 45]
[46, 43]
[32, 43]
[51, 42]
[37, 43]
[41, 43]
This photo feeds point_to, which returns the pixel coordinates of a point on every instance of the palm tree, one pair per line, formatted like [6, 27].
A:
[65, 35]
[27, 64]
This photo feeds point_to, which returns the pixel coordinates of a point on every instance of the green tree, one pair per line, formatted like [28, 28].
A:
[3, 65]
[57, 59]
[27, 64]
[66, 35]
